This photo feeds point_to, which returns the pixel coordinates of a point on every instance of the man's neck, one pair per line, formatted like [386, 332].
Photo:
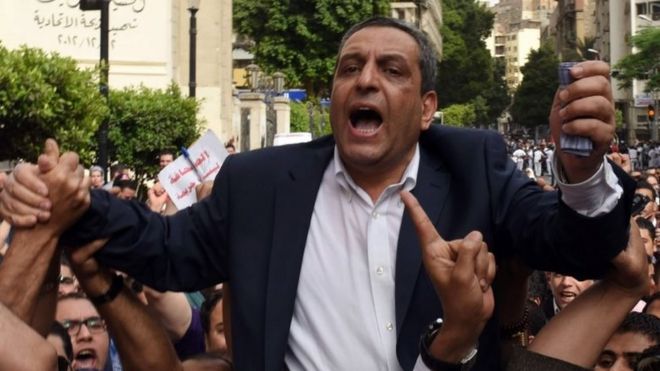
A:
[375, 179]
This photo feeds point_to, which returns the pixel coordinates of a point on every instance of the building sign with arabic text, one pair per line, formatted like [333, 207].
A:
[139, 29]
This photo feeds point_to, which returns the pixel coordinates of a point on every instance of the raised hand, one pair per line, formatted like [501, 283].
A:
[462, 272]
[68, 187]
[587, 109]
[94, 279]
[31, 191]
[630, 272]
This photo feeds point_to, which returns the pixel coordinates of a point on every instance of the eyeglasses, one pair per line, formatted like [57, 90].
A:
[95, 325]
[64, 280]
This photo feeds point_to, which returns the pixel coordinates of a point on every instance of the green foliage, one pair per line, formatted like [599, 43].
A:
[145, 121]
[44, 96]
[618, 119]
[299, 117]
[459, 115]
[301, 37]
[480, 107]
[532, 101]
[497, 97]
[643, 65]
[466, 68]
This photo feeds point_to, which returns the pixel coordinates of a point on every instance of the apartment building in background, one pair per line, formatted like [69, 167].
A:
[615, 22]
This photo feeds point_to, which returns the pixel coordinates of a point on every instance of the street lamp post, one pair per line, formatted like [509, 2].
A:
[104, 7]
[193, 7]
[271, 87]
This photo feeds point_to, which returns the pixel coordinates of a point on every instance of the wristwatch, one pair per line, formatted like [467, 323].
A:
[111, 294]
[435, 364]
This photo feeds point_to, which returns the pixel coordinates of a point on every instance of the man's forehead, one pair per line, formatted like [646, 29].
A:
[629, 342]
[75, 305]
[364, 36]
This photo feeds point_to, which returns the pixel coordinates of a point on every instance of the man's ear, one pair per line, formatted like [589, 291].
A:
[429, 106]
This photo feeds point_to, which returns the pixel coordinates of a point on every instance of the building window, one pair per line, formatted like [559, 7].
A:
[642, 8]
[401, 14]
[655, 10]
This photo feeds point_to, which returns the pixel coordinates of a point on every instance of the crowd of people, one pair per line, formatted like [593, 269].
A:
[393, 244]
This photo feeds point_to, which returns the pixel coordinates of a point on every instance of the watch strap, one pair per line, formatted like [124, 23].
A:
[110, 295]
[435, 364]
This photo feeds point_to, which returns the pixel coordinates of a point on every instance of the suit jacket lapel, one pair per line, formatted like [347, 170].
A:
[431, 191]
[295, 197]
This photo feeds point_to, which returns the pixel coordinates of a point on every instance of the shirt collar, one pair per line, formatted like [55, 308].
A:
[407, 182]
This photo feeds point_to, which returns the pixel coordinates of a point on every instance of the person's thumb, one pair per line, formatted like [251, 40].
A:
[48, 160]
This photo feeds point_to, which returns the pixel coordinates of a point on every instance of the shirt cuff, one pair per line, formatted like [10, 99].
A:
[595, 196]
[420, 366]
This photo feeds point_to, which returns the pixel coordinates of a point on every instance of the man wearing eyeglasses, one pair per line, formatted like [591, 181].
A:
[87, 330]
[67, 281]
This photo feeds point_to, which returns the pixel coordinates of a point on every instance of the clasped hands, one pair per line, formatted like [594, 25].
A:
[54, 191]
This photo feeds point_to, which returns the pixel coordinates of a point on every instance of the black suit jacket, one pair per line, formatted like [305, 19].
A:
[252, 231]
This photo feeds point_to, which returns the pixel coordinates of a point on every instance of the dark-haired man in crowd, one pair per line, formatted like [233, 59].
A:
[638, 332]
[294, 229]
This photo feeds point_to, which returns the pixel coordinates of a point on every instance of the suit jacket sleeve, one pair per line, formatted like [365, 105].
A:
[183, 252]
[543, 230]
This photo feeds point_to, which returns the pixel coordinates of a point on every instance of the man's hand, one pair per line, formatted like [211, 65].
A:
[622, 160]
[24, 199]
[585, 108]
[631, 268]
[462, 272]
[68, 187]
[94, 279]
[203, 190]
[157, 197]
[31, 190]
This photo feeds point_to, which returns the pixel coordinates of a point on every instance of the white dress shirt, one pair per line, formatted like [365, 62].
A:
[344, 313]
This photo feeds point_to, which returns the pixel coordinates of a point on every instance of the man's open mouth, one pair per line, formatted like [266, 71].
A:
[85, 359]
[365, 120]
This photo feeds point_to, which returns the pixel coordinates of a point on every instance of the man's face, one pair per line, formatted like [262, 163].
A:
[377, 111]
[90, 345]
[566, 288]
[97, 179]
[68, 282]
[165, 160]
[215, 339]
[647, 239]
[649, 210]
[619, 349]
[649, 246]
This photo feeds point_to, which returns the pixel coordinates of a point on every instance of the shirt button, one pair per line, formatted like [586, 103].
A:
[380, 270]
[389, 326]
[374, 214]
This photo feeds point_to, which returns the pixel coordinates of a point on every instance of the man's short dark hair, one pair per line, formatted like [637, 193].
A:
[166, 152]
[643, 324]
[125, 183]
[427, 59]
[56, 329]
[643, 184]
[207, 307]
[645, 224]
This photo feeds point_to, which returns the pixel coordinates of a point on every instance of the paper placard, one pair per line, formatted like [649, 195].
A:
[180, 177]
